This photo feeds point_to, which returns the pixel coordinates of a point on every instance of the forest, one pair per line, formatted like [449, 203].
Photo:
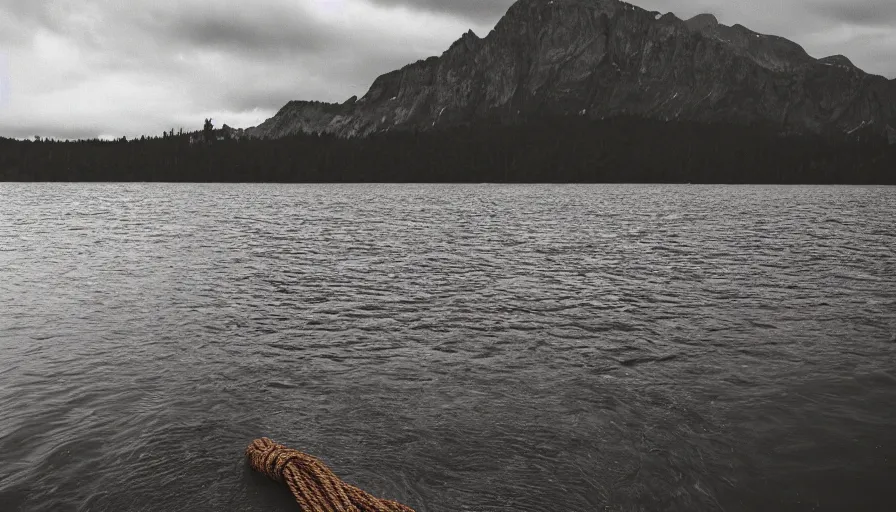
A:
[549, 150]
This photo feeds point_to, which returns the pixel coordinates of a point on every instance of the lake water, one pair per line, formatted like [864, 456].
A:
[457, 348]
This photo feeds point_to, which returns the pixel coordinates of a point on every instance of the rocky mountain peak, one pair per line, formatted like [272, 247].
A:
[602, 58]
[702, 22]
[467, 43]
[534, 14]
[837, 60]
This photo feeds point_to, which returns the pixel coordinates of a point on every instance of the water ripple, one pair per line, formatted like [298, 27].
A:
[481, 348]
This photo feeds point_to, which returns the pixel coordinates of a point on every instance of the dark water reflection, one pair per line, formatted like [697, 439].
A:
[476, 348]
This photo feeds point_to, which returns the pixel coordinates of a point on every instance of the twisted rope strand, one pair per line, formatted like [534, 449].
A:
[315, 487]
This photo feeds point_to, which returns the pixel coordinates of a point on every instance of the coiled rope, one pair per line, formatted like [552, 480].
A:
[314, 486]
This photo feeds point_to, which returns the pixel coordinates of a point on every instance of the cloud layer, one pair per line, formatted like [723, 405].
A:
[87, 68]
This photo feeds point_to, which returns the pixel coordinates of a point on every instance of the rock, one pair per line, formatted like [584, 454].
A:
[837, 60]
[891, 138]
[702, 22]
[607, 58]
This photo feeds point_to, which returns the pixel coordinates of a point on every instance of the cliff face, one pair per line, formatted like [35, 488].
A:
[600, 58]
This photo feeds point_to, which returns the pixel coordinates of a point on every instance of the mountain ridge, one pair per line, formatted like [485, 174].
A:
[603, 58]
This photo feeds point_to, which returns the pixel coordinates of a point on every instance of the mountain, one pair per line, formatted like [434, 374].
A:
[605, 58]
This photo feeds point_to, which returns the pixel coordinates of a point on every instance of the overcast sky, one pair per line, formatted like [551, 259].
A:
[86, 68]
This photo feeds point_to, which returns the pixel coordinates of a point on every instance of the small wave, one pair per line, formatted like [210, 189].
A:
[645, 360]
[281, 385]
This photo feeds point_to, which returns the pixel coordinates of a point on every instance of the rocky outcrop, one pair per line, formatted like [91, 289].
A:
[891, 135]
[837, 60]
[601, 58]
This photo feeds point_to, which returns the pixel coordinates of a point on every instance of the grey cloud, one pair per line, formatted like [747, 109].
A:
[858, 12]
[60, 16]
[243, 27]
[150, 32]
[478, 10]
[31, 13]
[267, 98]
[281, 35]
[49, 129]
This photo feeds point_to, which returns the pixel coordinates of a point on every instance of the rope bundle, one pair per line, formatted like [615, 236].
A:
[314, 486]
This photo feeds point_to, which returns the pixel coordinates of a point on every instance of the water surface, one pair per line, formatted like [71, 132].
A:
[481, 348]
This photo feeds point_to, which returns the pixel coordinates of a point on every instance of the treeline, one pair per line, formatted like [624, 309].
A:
[547, 150]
